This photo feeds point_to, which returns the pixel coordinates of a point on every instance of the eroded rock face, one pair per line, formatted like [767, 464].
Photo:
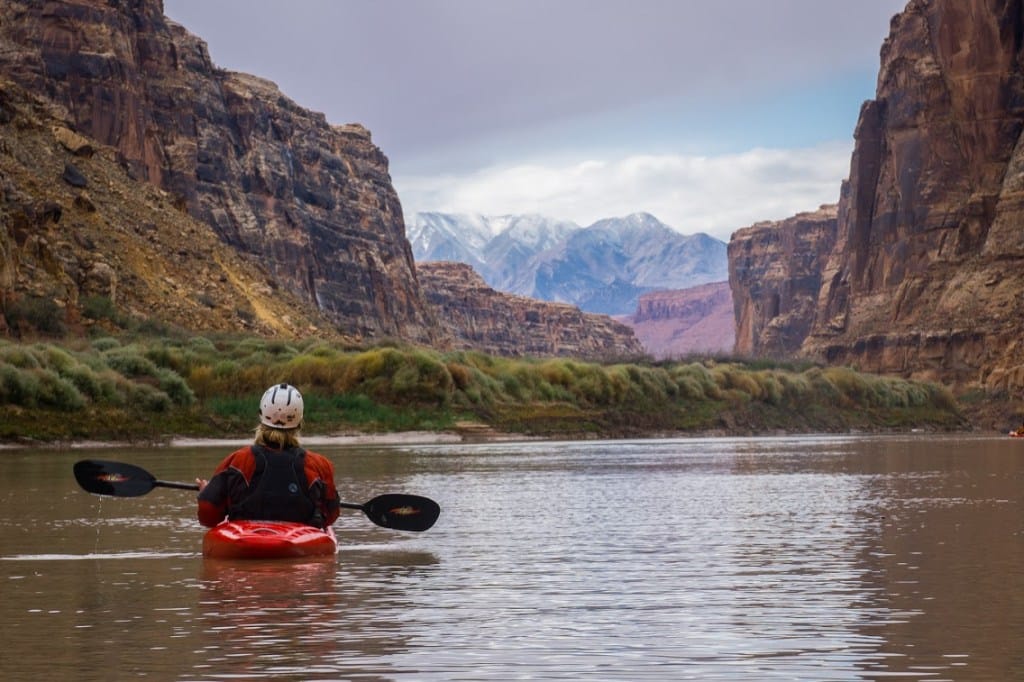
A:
[775, 276]
[313, 201]
[119, 252]
[481, 318]
[926, 274]
[680, 322]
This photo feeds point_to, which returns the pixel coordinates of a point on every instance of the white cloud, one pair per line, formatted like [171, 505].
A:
[712, 194]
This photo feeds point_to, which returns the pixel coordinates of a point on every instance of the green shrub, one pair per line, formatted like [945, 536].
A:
[422, 379]
[202, 345]
[57, 393]
[18, 386]
[176, 388]
[86, 381]
[130, 361]
[556, 373]
[732, 377]
[105, 343]
[99, 308]
[460, 374]
[326, 371]
[40, 313]
[824, 392]
[694, 381]
[23, 357]
[770, 387]
[148, 398]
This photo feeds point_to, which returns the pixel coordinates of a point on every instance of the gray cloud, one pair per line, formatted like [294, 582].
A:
[427, 74]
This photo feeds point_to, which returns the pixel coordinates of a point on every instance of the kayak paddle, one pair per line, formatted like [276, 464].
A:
[391, 510]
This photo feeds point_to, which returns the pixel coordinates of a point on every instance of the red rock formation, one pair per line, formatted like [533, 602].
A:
[481, 318]
[313, 201]
[926, 274]
[677, 323]
[775, 276]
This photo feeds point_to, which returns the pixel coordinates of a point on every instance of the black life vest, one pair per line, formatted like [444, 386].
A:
[278, 490]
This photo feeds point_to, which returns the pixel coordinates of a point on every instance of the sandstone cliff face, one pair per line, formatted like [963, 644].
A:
[680, 322]
[926, 274]
[83, 245]
[314, 202]
[483, 319]
[775, 276]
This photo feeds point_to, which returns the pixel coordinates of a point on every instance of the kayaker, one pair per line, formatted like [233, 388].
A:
[273, 479]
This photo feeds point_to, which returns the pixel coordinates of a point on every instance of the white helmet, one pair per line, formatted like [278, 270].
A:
[281, 407]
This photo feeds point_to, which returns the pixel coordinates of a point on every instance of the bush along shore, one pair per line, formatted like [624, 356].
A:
[154, 389]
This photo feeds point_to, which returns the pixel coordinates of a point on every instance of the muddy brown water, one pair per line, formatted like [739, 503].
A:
[806, 558]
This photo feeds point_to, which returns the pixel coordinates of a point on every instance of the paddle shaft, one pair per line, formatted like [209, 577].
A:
[175, 484]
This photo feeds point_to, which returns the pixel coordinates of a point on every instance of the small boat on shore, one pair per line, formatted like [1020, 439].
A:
[267, 540]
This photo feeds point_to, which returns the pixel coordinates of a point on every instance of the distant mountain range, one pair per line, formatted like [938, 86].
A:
[603, 268]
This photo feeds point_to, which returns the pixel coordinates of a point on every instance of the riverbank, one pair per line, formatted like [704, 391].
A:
[479, 434]
[157, 390]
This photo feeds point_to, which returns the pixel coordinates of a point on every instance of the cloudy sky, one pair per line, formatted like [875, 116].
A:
[710, 115]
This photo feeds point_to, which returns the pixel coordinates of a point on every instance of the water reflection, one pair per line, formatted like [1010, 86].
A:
[833, 558]
[267, 619]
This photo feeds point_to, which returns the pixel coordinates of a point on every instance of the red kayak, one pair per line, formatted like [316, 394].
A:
[267, 540]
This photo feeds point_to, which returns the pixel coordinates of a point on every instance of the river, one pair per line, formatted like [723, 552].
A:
[796, 558]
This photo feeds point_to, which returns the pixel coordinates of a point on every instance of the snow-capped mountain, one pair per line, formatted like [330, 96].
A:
[601, 268]
[453, 237]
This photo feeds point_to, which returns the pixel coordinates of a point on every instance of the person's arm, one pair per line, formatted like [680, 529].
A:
[215, 495]
[212, 505]
[319, 469]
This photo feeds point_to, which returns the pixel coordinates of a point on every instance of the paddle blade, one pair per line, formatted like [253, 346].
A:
[113, 478]
[402, 512]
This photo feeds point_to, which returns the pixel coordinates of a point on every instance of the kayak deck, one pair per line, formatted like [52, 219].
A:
[267, 540]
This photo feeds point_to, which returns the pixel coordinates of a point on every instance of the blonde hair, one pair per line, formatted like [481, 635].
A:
[279, 439]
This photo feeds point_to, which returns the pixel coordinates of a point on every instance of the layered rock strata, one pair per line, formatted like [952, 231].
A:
[775, 277]
[85, 247]
[481, 318]
[926, 270]
[312, 201]
[928, 267]
[680, 322]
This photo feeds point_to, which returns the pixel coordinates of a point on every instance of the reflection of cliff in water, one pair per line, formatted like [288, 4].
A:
[904, 559]
[944, 559]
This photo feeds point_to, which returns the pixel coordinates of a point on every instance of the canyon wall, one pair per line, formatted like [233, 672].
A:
[483, 319]
[775, 276]
[926, 273]
[679, 322]
[313, 202]
[86, 249]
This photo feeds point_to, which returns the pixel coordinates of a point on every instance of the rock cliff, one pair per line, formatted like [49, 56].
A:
[483, 319]
[775, 276]
[680, 322]
[312, 201]
[83, 245]
[926, 274]
[925, 271]
[139, 183]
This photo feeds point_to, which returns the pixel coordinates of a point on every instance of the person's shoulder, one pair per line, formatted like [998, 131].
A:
[317, 458]
[244, 452]
[242, 458]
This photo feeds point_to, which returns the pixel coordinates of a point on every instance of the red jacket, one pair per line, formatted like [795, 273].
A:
[233, 477]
